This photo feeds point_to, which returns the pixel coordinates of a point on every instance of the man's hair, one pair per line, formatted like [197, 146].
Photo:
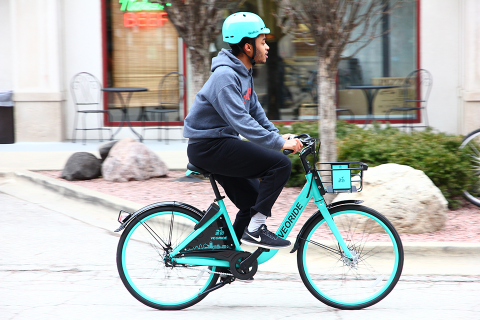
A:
[236, 47]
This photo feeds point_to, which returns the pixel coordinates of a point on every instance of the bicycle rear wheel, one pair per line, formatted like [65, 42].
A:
[142, 263]
[339, 282]
[472, 144]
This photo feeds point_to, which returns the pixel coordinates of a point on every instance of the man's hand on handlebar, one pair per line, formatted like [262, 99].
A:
[293, 144]
[287, 136]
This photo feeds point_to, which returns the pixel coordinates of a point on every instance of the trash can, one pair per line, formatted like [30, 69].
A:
[7, 132]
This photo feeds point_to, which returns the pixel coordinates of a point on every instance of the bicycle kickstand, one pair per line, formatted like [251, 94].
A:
[225, 281]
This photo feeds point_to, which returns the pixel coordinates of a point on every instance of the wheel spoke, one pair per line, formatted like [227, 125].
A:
[335, 251]
[172, 218]
[155, 236]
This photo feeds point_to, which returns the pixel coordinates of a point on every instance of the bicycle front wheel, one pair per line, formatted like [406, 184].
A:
[344, 283]
[472, 145]
[144, 267]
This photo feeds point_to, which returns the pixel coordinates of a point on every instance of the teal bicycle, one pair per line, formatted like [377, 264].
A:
[349, 256]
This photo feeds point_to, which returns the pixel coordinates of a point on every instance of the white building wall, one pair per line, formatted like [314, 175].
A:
[36, 67]
[470, 85]
[440, 54]
[6, 71]
[45, 42]
[83, 53]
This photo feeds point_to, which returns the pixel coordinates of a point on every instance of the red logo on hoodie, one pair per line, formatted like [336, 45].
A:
[247, 96]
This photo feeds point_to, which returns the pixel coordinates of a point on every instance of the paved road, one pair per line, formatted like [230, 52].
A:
[53, 266]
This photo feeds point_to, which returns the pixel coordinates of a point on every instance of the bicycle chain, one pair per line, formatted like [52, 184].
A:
[210, 271]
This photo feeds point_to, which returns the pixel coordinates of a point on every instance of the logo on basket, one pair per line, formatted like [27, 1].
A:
[342, 179]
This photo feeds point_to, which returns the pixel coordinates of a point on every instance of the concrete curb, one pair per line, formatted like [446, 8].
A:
[84, 195]
[71, 191]
[424, 249]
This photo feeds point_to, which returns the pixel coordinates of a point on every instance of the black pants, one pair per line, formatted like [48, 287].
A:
[252, 176]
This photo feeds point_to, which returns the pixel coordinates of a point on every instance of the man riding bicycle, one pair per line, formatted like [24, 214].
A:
[252, 173]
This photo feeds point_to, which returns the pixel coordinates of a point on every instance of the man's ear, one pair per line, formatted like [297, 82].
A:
[247, 47]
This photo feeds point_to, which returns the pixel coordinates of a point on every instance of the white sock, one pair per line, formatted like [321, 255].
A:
[257, 220]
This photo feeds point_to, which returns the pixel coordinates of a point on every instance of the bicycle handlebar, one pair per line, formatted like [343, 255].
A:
[304, 139]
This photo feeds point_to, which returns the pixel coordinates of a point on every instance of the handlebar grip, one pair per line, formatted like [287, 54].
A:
[300, 136]
[287, 151]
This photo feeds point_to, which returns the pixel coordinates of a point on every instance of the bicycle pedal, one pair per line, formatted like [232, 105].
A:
[249, 280]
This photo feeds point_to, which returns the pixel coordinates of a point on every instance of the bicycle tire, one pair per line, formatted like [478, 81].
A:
[472, 143]
[143, 269]
[339, 282]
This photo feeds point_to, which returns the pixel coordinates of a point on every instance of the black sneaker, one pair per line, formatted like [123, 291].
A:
[264, 238]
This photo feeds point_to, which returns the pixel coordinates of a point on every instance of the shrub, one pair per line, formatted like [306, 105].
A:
[436, 154]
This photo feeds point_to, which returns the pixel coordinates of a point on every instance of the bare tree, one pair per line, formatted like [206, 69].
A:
[196, 21]
[331, 26]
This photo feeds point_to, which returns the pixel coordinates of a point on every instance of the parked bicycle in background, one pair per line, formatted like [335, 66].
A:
[471, 143]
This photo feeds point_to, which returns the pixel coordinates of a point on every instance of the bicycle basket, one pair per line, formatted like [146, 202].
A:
[342, 176]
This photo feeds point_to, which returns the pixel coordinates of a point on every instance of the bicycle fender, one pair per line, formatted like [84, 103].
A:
[160, 205]
[315, 215]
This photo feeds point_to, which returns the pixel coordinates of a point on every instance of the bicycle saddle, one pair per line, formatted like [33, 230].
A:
[194, 168]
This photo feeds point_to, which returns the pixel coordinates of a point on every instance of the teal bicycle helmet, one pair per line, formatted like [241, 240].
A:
[243, 25]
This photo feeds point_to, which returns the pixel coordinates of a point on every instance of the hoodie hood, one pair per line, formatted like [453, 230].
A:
[226, 58]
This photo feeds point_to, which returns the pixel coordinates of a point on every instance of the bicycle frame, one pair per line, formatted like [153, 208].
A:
[310, 190]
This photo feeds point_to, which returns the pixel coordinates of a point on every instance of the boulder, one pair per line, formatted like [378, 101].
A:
[81, 166]
[131, 160]
[104, 149]
[407, 197]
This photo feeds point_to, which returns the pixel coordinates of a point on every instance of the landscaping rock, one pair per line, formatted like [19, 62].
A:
[131, 160]
[407, 197]
[81, 166]
[104, 149]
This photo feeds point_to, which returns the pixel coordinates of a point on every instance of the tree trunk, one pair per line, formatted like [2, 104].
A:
[200, 71]
[326, 111]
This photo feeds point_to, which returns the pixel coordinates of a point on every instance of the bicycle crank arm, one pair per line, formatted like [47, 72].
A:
[247, 263]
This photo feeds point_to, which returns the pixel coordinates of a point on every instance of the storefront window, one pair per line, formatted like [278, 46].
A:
[287, 83]
[387, 60]
[142, 46]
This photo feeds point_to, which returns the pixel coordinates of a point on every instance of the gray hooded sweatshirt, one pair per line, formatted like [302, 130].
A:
[227, 106]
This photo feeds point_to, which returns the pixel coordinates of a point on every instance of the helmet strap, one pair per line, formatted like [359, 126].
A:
[252, 59]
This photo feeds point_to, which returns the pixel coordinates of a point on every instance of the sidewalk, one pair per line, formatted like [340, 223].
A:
[101, 210]
[54, 155]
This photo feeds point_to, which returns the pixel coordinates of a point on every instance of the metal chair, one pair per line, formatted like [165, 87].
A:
[349, 73]
[86, 93]
[170, 100]
[340, 110]
[416, 90]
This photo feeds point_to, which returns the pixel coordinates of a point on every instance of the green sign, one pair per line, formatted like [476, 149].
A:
[144, 5]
